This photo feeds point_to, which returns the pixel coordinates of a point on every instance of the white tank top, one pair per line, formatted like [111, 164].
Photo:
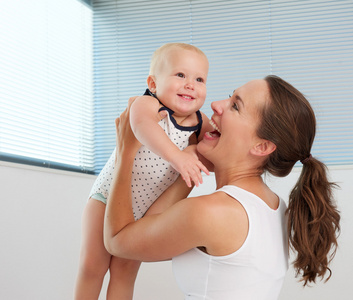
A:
[256, 271]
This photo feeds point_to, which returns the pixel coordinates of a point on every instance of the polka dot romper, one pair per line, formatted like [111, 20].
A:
[151, 174]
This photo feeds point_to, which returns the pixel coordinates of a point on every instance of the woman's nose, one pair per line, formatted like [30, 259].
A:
[217, 107]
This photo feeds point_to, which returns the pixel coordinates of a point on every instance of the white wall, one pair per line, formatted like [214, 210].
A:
[40, 219]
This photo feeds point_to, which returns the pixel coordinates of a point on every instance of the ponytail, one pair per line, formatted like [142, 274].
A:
[288, 121]
[313, 222]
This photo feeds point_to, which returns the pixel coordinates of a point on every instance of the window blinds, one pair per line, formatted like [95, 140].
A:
[308, 43]
[46, 84]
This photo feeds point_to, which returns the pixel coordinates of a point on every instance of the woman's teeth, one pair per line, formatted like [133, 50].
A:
[213, 134]
[214, 125]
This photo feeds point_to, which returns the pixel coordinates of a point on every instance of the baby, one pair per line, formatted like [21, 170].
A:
[177, 89]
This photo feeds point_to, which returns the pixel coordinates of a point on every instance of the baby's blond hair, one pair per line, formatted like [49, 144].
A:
[159, 55]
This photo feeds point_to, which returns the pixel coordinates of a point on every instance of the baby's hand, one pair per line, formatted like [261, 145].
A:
[189, 167]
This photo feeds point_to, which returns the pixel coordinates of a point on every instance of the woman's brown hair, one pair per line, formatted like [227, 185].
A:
[313, 219]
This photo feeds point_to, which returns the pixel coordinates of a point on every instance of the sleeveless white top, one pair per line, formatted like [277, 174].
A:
[254, 272]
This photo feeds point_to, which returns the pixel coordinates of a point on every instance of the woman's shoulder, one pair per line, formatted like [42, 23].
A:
[217, 208]
[222, 220]
[216, 200]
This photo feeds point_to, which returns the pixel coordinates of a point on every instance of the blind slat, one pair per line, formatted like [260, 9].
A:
[46, 84]
[308, 43]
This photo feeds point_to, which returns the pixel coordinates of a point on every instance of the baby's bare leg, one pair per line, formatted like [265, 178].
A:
[94, 258]
[123, 274]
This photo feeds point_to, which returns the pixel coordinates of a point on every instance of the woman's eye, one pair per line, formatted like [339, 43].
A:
[180, 75]
[235, 106]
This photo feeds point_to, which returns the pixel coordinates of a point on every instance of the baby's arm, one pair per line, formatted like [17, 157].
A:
[144, 118]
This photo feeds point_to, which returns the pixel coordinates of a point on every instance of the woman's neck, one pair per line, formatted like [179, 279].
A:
[239, 178]
[251, 182]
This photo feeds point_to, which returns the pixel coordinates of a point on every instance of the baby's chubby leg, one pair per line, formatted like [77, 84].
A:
[94, 258]
[123, 274]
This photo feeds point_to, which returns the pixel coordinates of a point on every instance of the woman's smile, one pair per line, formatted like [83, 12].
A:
[215, 126]
[215, 134]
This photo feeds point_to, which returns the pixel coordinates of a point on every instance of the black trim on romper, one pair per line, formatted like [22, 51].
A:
[196, 128]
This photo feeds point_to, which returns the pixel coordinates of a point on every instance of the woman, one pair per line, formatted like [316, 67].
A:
[232, 244]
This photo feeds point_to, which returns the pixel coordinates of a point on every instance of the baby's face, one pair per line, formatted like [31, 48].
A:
[181, 81]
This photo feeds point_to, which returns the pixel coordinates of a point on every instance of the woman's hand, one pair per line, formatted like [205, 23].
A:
[126, 142]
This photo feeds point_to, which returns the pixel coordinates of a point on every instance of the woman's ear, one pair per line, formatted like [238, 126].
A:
[151, 82]
[263, 148]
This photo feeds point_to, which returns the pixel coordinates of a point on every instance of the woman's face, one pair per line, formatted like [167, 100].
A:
[235, 121]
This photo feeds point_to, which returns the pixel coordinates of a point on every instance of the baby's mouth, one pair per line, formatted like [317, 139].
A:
[186, 97]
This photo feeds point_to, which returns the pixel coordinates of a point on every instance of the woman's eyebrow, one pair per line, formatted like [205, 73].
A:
[237, 97]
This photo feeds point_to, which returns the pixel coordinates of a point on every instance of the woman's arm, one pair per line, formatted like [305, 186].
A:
[119, 207]
[176, 192]
[146, 238]
[182, 226]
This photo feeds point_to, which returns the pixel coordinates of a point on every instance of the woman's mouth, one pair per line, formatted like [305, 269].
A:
[212, 135]
[215, 127]
[215, 133]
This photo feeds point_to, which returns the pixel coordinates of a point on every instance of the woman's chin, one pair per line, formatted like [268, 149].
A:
[206, 144]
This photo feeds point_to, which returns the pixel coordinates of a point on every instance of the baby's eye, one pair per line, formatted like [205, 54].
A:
[180, 75]
[200, 79]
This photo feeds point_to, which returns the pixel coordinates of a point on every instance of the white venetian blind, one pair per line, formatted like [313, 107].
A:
[46, 83]
[308, 43]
